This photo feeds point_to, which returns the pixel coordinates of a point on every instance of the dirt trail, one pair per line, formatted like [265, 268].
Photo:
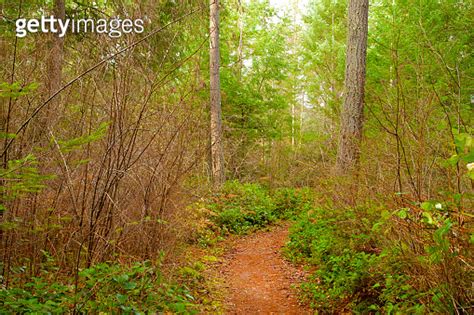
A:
[257, 277]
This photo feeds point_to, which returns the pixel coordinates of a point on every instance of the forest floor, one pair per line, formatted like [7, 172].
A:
[258, 278]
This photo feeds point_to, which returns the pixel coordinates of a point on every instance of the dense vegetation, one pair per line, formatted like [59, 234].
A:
[142, 287]
[366, 262]
[105, 287]
[105, 164]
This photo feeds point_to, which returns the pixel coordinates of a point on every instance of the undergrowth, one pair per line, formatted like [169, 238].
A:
[368, 260]
[145, 287]
[138, 288]
[240, 208]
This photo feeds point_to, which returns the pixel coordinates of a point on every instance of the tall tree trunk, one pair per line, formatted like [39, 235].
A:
[353, 110]
[217, 152]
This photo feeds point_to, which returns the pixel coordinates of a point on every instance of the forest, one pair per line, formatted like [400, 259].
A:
[236, 157]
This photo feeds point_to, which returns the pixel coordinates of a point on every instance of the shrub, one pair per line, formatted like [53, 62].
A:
[241, 207]
[102, 288]
[291, 201]
[339, 244]
[367, 260]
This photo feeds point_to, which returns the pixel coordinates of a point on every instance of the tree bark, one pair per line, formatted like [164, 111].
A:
[353, 110]
[217, 151]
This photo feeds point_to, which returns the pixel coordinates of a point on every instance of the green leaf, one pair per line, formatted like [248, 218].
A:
[4, 135]
[469, 157]
[453, 160]
[121, 278]
[457, 198]
[129, 285]
[402, 213]
[77, 143]
[15, 90]
[427, 205]
[121, 298]
[470, 174]
[428, 218]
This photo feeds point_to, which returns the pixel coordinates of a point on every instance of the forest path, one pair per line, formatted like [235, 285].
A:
[258, 278]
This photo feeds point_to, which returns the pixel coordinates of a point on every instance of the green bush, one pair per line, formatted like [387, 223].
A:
[108, 288]
[359, 267]
[291, 201]
[339, 245]
[241, 207]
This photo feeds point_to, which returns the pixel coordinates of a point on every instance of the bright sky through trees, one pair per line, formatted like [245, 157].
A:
[283, 4]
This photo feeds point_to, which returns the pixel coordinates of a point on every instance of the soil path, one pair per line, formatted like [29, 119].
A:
[259, 279]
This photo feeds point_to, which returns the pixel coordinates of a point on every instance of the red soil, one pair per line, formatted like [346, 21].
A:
[259, 280]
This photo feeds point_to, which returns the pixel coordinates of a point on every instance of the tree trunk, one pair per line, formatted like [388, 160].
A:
[217, 152]
[353, 110]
